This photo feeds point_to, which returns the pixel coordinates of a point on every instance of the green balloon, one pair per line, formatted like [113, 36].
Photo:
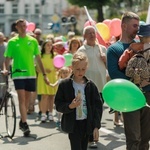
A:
[122, 95]
[68, 59]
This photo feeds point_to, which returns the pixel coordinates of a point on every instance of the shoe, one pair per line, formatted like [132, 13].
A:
[50, 117]
[43, 118]
[24, 127]
[92, 145]
[111, 111]
[118, 123]
[39, 115]
[58, 124]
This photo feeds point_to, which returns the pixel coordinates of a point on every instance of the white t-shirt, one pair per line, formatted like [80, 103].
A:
[83, 105]
[96, 70]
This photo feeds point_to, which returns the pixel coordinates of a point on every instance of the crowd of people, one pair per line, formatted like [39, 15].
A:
[75, 91]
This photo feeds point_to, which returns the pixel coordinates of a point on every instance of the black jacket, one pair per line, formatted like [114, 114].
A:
[64, 96]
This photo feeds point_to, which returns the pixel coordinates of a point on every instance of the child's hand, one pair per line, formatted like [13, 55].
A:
[52, 85]
[75, 103]
[96, 134]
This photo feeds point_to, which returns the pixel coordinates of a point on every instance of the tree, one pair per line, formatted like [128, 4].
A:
[96, 4]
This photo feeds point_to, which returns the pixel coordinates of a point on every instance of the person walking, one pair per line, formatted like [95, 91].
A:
[78, 99]
[136, 123]
[74, 45]
[21, 50]
[47, 92]
[96, 70]
[63, 73]
[3, 46]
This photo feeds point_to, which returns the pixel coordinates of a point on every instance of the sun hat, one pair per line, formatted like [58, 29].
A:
[144, 30]
[58, 41]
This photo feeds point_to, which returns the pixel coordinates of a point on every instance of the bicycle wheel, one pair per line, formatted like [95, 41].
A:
[10, 116]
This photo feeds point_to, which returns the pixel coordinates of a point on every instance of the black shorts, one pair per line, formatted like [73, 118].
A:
[26, 84]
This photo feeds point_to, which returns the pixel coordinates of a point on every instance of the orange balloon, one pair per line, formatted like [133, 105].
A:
[104, 31]
[107, 22]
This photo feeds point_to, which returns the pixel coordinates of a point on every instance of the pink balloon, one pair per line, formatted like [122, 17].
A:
[115, 27]
[107, 22]
[30, 26]
[59, 61]
[27, 22]
[89, 23]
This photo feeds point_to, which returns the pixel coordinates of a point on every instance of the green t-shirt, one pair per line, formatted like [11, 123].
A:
[22, 52]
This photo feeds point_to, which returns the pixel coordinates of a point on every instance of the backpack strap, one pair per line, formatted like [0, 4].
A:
[143, 50]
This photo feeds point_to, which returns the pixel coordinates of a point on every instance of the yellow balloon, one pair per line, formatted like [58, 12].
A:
[104, 31]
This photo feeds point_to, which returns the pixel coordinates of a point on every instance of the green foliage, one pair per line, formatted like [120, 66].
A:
[143, 16]
[90, 4]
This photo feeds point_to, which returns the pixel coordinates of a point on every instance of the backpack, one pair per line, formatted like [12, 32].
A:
[138, 67]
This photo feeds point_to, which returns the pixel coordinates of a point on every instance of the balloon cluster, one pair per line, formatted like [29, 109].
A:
[122, 95]
[62, 60]
[108, 28]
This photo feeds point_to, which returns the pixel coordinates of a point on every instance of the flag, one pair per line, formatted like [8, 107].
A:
[98, 36]
[148, 15]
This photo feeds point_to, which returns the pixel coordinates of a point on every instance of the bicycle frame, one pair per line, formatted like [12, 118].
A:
[7, 102]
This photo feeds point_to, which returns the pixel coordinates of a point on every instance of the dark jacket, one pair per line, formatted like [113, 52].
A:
[64, 96]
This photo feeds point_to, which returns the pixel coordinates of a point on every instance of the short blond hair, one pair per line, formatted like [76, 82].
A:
[79, 56]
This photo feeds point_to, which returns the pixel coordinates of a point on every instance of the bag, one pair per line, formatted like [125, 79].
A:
[138, 68]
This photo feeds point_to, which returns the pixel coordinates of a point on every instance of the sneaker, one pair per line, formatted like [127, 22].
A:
[92, 145]
[58, 124]
[43, 118]
[118, 123]
[50, 117]
[24, 127]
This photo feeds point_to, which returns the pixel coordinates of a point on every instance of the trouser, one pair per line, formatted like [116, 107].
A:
[79, 139]
[91, 138]
[137, 127]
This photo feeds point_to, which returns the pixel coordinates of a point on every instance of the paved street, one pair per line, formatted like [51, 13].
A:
[46, 136]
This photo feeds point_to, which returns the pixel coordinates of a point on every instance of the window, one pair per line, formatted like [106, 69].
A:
[14, 8]
[1, 27]
[37, 9]
[27, 9]
[1, 8]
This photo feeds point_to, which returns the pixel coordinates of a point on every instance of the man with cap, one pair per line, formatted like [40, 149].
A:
[136, 123]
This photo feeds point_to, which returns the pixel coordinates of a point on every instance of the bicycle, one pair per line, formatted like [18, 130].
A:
[7, 105]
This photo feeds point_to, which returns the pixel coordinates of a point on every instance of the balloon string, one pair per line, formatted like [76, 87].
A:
[147, 105]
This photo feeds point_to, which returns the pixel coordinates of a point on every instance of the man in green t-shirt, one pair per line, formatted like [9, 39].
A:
[21, 50]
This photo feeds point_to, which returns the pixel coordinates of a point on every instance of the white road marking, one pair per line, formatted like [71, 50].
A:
[104, 130]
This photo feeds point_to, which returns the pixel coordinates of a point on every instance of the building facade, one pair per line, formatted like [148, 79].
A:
[40, 12]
